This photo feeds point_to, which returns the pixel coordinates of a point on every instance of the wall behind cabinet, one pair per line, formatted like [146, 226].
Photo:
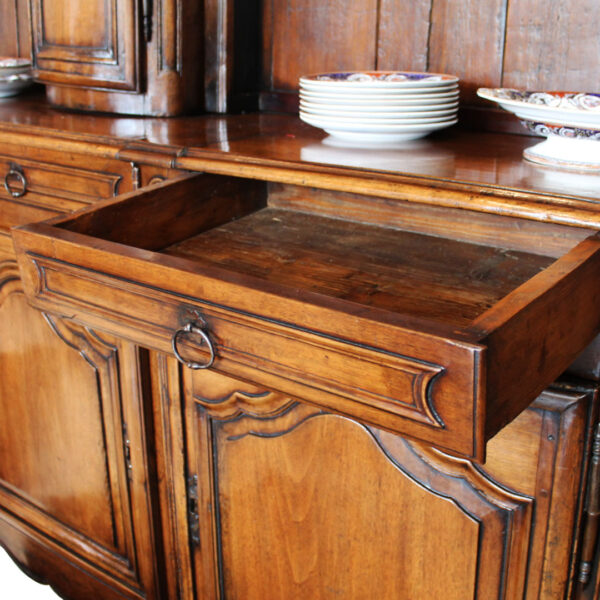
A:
[543, 44]
[15, 37]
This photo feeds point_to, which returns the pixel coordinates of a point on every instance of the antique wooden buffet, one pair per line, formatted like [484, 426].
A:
[238, 362]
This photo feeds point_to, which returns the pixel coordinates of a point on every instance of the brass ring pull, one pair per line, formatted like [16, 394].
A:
[156, 179]
[193, 328]
[15, 172]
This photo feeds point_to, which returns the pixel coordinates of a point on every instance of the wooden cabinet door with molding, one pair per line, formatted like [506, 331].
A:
[126, 56]
[92, 43]
[74, 497]
[286, 500]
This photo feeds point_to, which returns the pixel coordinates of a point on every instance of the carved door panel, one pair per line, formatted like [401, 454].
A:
[288, 501]
[73, 464]
[91, 43]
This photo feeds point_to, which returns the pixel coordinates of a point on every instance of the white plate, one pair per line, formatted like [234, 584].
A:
[380, 80]
[546, 107]
[379, 91]
[371, 133]
[367, 112]
[375, 122]
[395, 99]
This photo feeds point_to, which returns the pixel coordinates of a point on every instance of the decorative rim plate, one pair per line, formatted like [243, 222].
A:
[546, 129]
[572, 109]
[570, 122]
[384, 91]
[353, 131]
[366, 123]
[401, 99]
[378, 79]
[572, 101]
[365, 112]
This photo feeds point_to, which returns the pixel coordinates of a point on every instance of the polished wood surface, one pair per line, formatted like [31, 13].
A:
[356, 512]
[454, 336]
[353, 297]
[67, 50]
[71, 481]
[458, 168]
[139, 58]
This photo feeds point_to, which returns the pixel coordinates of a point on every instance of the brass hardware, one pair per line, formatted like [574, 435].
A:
[193, 518]
[127, 448]
[156, 179]
[136, 176]
[15, 173]
[147, 20]
[193, 328]
[592, 513]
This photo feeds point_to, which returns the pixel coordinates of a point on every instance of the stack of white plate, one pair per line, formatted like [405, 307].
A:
[379, 106]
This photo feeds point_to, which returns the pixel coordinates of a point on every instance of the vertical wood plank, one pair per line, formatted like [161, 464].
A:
[467, 40]
[314, 36]
[553, 45]
[403, 35]
[9, 31]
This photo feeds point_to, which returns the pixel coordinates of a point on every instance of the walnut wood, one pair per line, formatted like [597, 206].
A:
[72, 484]
[543, 46]
[280, 472]
[422, 276]
[372, 287]
[266, 477]
[120, 65]
[15, 33]
[481, 172]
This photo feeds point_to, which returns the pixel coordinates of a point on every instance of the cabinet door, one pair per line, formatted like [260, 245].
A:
[90, 43]
[289, 501]
[74, 479]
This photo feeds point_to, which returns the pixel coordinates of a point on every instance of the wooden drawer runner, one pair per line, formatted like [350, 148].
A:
[434, 338]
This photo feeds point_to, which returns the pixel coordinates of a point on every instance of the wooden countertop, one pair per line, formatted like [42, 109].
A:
[454, 168]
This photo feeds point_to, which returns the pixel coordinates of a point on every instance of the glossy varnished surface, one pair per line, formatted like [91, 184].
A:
[492, 164]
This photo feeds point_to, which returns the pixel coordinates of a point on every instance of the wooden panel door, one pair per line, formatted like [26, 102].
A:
[288, 501]
[90, 43]
[74, 477]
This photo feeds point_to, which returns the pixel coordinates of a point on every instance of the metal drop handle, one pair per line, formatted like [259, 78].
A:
[15, 172]
[193, 328]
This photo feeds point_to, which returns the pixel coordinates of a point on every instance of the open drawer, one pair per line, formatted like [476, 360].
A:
[439, 339]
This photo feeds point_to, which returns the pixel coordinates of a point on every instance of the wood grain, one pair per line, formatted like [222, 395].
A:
[378, 267]
[403, 36]
[556, 48]
[468, 42]
[312, 37]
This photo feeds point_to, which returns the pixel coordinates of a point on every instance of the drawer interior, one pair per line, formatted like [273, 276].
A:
[415, 274]
[249, 228]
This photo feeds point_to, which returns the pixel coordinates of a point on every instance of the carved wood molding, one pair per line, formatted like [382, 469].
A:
[10, 281]
[504, 516]
[92, 348]
[102, 357]
[239, 403]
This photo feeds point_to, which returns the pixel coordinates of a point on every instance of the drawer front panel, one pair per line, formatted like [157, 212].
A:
[55, 186]
[433, 398]
[18, 213]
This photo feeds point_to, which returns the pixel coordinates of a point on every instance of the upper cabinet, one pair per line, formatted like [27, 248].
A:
[91, 44]
[125, 56]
